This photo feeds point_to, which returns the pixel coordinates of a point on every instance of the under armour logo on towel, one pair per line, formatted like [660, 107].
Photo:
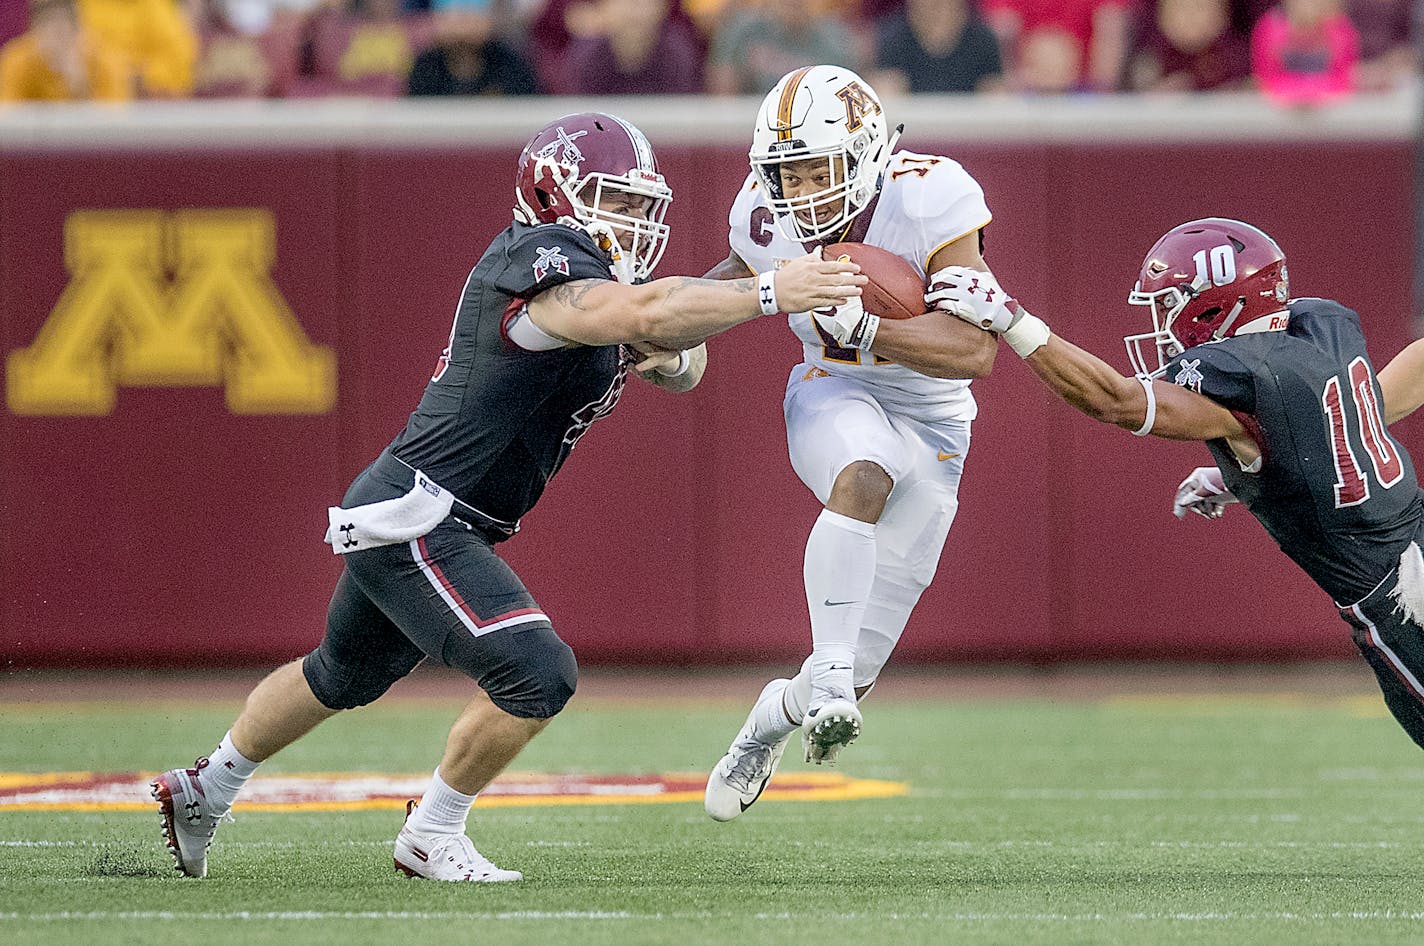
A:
[550, 257]
[1190, 376]
[569, 152]
[348, 529]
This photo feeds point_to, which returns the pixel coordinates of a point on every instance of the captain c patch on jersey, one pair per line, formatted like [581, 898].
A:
[550, 257]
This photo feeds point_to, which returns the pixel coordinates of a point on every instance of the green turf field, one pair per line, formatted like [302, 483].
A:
[1267, 818]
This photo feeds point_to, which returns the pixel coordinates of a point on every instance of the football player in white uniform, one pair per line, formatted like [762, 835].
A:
[877, 414]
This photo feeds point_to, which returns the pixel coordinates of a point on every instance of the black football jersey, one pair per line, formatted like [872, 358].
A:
[497, 421]
[1334, 489]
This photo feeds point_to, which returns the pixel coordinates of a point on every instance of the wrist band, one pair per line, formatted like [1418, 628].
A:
[1027, 335]
[864, 335]
[766, 292]
[684, 362]
[1151, 418]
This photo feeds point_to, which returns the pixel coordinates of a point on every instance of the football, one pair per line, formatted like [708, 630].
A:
[895, 290]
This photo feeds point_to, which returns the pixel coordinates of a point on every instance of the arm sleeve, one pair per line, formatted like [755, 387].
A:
[548, 256]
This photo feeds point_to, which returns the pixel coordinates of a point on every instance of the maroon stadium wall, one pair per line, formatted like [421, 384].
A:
[174, 517]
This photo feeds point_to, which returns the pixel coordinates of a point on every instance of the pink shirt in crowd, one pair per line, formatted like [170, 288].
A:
[1297, 67]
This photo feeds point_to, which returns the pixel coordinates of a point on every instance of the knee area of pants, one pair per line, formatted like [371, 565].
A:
[340, 688]
[546, 687]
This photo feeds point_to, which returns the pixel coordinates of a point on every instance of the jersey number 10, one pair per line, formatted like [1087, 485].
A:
[1352, 486]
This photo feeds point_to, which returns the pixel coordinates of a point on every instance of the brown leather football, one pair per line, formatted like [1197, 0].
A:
[895, 290]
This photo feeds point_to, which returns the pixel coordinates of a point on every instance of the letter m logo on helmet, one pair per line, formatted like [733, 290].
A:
[858, 104]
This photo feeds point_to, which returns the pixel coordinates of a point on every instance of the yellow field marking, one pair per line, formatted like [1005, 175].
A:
[808, 786]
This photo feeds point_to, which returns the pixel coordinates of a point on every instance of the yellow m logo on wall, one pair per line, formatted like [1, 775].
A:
[170, 299]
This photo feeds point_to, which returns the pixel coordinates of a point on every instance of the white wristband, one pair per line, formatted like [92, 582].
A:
[684, 361]
[1027, 335]
[1151, 417]
[766, 292]
[869, 325]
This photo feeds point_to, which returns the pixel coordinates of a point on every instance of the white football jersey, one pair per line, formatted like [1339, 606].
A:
[927, 201]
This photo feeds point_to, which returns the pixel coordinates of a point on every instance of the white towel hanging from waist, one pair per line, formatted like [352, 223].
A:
[390, 520]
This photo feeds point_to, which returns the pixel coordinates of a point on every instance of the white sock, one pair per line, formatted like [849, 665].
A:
[228, 770]
[769, 722]
[839, 571]
[442, 810]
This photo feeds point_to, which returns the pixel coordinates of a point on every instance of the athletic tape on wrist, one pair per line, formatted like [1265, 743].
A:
[1027, 335]
[1151, 417]
[766, 292]
[865, 332]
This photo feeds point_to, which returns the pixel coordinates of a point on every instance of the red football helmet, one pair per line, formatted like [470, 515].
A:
[573, 164]
[1204, 281]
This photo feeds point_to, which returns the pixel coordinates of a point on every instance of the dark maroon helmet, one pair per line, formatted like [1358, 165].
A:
[578, 164]
[1207, 280]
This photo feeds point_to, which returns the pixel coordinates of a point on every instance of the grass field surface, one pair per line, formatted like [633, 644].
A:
[1236, 814]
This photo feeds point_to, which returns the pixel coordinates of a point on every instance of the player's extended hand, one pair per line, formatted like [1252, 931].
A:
[974, 296]
[656, 358]
[810, 282]
[1204, 492]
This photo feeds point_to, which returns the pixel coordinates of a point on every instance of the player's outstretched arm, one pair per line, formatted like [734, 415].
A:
[1083, 379]
[681, 311]
[1402, 382]
[1144, 407]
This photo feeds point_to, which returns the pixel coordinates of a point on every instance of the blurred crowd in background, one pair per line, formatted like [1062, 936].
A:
[1295, 51]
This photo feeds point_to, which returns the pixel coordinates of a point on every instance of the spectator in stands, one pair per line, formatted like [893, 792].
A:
[255, 17]
[1305, 52]
[231, 64]
[1062, 45]
[361, 47]
[770, 38]
[56, 60]
[1388, 56]
[1190, 46]
[637, 50]
[936, 46]
[559, 23]
[153, 35]
[467, 58]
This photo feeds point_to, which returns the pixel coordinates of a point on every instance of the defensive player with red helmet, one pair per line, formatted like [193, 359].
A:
[878, 413]
[1283, 393]
[542, 339]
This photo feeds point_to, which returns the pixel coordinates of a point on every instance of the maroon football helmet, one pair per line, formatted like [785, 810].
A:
[573, 164]
[1204, 281]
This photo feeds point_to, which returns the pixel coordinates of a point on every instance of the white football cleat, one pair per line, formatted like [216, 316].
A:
[188, 819]
[740, 776]
[445, 857]
[831, 724]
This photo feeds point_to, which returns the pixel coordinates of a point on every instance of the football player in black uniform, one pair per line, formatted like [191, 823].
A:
[1283, 393]
[551, 317]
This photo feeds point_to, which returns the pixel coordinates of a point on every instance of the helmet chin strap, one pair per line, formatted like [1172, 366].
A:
[619, 262]
[1230, 319]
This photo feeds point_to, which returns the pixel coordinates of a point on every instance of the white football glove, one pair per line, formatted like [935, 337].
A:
[1204, 493]
[849, 324]
[974, 296]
